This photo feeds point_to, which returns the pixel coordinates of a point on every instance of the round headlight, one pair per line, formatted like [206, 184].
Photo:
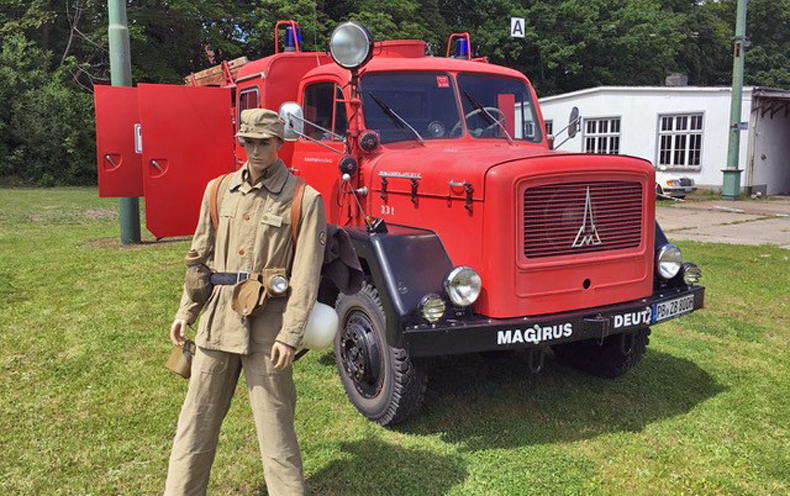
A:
[463, 285]
[668, 261]
[279, 284]
[433, 307]
[351, 45]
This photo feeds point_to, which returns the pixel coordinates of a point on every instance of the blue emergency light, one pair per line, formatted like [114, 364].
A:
[290, 43]
[461, 49]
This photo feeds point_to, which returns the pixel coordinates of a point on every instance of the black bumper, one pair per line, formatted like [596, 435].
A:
[479, 333]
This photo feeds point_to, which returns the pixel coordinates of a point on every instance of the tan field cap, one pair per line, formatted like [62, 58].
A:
[260, 124]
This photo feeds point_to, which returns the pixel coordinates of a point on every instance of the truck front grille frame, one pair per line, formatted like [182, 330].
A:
[559, 220]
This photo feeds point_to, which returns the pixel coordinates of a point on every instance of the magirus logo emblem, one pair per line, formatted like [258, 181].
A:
[588, 234]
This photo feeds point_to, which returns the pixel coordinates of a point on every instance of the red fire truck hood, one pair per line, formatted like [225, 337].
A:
[443, 169]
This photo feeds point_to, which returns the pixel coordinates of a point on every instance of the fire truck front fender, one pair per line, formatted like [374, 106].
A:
[404, 264]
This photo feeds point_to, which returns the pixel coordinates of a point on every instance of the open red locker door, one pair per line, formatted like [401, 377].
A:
[119, 165]
[187, 141]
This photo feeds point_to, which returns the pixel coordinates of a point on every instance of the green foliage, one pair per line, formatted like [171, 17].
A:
[47, 128]
[768, 26]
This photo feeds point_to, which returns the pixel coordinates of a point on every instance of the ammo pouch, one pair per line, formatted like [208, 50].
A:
[198, 278]
[250, 296]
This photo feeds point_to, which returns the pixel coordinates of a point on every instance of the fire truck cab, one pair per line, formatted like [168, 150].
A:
[474, 234]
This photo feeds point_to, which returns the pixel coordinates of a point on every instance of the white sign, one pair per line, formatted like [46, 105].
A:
[517, 27]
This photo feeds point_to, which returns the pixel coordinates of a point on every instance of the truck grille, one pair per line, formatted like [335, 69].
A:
[560, 220]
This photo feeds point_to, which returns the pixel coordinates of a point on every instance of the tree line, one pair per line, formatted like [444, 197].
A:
[53, 53]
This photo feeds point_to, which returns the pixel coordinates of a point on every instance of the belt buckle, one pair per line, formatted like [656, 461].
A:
[242, 276]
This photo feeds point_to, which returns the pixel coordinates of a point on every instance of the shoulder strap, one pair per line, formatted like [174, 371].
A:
[296, 207]
[213, 199]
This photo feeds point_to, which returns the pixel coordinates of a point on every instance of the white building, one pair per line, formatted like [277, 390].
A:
[683, 130]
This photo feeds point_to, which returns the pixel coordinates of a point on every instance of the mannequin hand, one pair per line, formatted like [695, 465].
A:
[282, 355]
[178, 334]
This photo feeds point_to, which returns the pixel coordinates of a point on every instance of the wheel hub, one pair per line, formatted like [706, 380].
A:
[359, 352]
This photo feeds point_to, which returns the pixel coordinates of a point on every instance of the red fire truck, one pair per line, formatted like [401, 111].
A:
[474, 234]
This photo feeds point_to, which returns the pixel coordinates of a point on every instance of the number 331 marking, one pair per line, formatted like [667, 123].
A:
[387, 210]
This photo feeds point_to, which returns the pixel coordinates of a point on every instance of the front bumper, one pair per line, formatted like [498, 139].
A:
[678, 190]
[478, 333]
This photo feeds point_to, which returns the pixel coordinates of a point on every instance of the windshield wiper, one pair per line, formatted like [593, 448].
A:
[491, 118]
[400, 121]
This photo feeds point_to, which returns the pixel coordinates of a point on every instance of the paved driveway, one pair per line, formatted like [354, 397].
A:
[753, 222]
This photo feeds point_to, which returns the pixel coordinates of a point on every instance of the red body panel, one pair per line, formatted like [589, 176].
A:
[514, 285]
[119, 166]
[188, 140]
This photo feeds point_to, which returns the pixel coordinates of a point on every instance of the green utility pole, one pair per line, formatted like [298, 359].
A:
[731, 189]
[121, 75]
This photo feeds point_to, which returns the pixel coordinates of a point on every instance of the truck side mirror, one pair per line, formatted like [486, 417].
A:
[573, 123]
[293, 117]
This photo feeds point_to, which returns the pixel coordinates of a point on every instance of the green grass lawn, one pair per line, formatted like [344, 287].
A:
[87, 408]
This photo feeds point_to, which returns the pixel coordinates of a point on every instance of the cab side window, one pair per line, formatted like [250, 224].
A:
[248, 98]
[324, 108]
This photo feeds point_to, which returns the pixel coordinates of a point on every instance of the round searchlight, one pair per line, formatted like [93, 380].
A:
[351, 45]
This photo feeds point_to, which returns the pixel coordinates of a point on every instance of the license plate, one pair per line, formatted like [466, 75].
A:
[672, 308]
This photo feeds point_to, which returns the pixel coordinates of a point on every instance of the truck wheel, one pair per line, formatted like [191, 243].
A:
[616, 356]
[383, 382]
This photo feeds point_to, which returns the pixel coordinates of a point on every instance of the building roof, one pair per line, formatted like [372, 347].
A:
[643, 89]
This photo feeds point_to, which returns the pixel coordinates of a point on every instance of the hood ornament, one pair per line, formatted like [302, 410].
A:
[588, 234]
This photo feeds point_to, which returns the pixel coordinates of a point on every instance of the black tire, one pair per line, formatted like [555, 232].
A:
[383, 382]
[607, 360]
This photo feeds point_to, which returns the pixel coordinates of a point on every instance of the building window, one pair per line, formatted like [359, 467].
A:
[549, 127]
[602, 135]
[680, 140]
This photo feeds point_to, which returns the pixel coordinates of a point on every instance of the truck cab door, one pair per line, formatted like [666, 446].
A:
[323, 104]
[117, 122]
[187, 141]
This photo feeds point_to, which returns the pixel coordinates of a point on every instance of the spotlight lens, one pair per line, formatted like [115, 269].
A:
[351, 45]
[279, 284]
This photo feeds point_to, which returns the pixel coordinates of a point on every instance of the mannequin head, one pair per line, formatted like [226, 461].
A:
[261, 153]
[262, 132]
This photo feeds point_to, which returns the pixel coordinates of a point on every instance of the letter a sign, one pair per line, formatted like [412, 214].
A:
[517, 27]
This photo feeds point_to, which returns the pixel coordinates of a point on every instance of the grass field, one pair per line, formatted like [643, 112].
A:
[87, 408]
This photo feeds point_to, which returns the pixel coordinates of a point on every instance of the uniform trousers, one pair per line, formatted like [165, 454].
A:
[273, 400]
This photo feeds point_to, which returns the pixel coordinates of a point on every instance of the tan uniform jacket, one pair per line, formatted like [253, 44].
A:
[254, 233]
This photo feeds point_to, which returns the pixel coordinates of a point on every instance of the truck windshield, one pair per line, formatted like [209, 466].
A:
[424, 100]
[493, 105]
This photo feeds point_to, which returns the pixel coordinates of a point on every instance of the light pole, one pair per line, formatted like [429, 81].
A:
[731, 188]
[121, 75]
